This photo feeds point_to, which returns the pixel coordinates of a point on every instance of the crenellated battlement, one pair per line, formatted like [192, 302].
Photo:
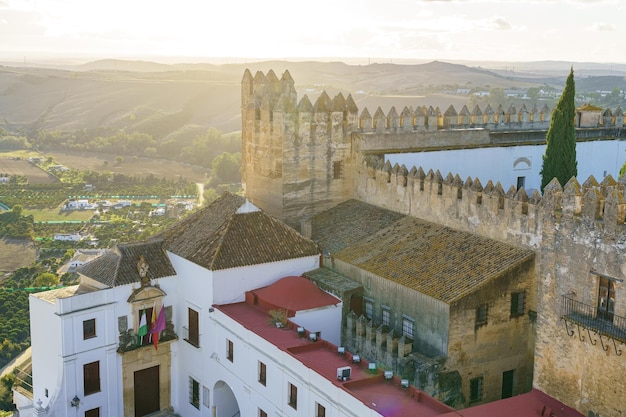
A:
[302, 157]
[268, 93]
[492, 211]
[428, 118]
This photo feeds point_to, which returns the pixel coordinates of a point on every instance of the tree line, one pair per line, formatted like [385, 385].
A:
[14, 225]
[200, 149]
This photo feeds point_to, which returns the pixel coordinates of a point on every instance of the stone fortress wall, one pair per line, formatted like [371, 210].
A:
[301, 158]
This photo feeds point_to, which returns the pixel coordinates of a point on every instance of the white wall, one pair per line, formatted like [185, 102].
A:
[282, 368]
[194, 289]
[230, 285]
[326, 320]
[497, 164]
[59, 350]
[199, 288]
[46, 349]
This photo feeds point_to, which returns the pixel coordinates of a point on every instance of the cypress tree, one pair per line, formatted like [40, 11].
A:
[560, 158]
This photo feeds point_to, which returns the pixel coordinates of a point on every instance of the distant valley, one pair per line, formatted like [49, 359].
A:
[165, 100]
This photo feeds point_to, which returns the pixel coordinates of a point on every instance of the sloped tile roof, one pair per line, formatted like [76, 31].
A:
[347, 223]
[332, 281]
[231, 233]
[438, 261]
[119, 266]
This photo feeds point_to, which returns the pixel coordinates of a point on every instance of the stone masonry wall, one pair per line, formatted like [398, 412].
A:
[574, 230]
[504, 343]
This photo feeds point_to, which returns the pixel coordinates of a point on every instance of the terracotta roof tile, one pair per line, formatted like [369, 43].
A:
[119, 266]
[349, 222]
[231, 233]
[332, 281]
[438, 261]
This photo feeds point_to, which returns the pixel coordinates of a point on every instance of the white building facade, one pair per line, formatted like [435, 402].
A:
[87, 357]
[517, 166]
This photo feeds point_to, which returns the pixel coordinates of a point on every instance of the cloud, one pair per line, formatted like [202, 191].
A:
[499, 23]
[602, 27]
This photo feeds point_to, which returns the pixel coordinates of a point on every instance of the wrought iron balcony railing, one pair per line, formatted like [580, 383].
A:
[602, 324]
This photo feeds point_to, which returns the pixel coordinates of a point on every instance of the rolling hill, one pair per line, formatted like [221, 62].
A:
[163, 99]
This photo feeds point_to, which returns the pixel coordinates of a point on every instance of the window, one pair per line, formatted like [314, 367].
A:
[89, 329]
[293, 396]
[94, 412]
[517, 303]
[386, 316]
[476, 389]
[229, 350]
[262, 413]
[408, 324]
[337, 170]
[606, 299]
[521, 181]
[369, 308]
[91, 377]
[194, 393]
[320, 410]
[193, 337]
[262, 373]
[206, 400]
[481, 315]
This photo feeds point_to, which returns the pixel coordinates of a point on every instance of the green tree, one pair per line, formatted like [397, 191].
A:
[497, 97]
[210, 195]
[533, 93]
[6, 395]
[615, 95]
[559, 161]
[227, 167]
[46, 279]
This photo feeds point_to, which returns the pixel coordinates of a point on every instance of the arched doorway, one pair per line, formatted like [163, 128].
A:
[224, 401]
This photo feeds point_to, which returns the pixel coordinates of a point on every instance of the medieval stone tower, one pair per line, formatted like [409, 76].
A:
[295, 155]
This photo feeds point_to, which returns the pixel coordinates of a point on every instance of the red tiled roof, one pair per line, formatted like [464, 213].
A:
[384, 396]
[294, 294]
[371, 388]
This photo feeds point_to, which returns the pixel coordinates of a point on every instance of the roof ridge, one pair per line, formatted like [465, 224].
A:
[223, 232]
[118, 262]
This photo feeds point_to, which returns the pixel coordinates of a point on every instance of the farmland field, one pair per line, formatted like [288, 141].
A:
[16, 253]
[46, 215]
[131, 166]
[22, 167]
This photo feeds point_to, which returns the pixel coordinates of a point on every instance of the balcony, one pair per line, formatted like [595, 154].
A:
[128, 339]
[24, 380]
[599, 324]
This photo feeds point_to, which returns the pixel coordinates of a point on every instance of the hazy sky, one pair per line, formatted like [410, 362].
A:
[494, 30]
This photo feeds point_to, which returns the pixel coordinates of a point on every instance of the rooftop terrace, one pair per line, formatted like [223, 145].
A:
[388, 395]
[383, 394]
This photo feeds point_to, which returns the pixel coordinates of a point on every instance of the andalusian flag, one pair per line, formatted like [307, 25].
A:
[143, 327]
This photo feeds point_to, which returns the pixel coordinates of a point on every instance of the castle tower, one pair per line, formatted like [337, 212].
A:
[294, 154]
